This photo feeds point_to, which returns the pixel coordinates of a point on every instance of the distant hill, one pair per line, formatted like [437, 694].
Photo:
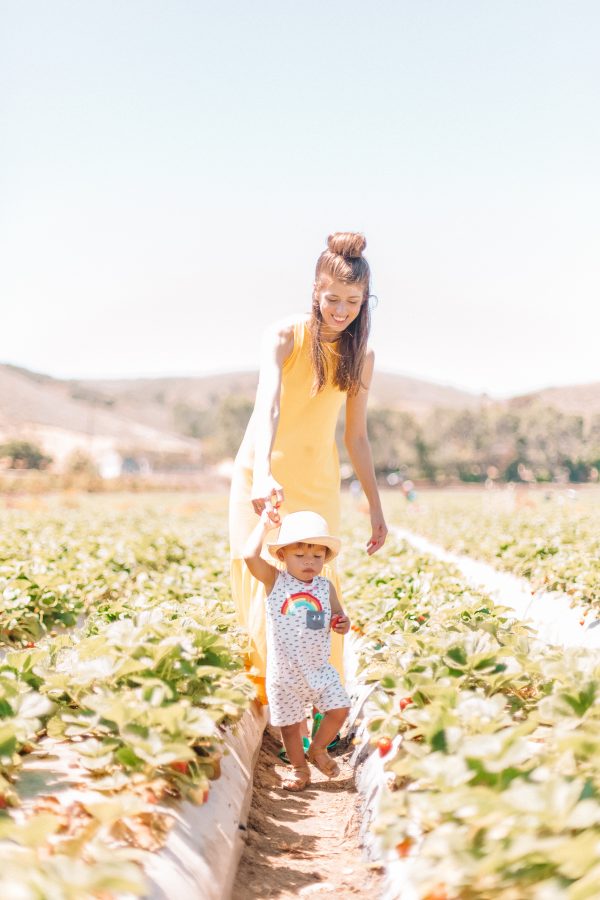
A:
[63, 416]
[152, 399]
[418, 396]
[105, 414]
[583, 399]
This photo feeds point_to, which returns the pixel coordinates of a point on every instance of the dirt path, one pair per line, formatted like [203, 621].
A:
[303, 844]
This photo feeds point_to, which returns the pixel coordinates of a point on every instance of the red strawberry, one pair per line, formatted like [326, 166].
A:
[335, 620]
[438, 893]
[198, 795]
[384, 745]
[404, 702]
[403, 848]
[180, 765]
[3, 803]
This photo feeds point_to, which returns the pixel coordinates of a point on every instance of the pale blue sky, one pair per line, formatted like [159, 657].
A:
[169, 172]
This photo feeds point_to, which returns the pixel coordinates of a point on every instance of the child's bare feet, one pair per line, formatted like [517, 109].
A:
[321, 759]
[297, 780]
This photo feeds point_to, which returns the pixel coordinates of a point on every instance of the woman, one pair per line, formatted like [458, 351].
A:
[310, 365]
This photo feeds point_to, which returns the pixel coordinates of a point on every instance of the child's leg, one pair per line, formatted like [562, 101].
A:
[331, 723]
[333, 701]
[299, 776]
[292, 741]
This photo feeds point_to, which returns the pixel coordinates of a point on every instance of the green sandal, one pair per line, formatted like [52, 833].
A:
[283, 755]
[317, 719]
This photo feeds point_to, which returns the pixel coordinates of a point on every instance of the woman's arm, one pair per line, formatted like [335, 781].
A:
[356, 439]
[276, 347]
[258, 566]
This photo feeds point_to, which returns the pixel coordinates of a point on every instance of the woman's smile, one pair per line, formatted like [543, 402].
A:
[339, 303]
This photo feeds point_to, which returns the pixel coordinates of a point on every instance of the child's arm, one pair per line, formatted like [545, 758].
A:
[259, 567]
[342, 623]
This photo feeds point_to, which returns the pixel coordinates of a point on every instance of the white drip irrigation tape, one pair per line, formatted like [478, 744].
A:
[203, 849]
[557, 622]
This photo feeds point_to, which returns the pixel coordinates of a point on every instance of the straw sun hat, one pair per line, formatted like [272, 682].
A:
[308, 527]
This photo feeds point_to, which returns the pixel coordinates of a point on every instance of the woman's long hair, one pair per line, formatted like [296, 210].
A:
[343, 260]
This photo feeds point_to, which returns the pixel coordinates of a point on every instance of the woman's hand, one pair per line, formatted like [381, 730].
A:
[270, 517]
[266, 491]
[378, 533]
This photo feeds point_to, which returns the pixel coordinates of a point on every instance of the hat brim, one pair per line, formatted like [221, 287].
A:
[325, 540]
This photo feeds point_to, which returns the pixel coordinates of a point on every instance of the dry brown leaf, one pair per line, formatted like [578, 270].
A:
[147, 831]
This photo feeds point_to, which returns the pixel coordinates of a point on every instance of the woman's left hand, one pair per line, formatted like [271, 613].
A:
[378, 533]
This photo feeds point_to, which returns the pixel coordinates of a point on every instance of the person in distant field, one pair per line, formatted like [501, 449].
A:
[301, 607]
[311, 365]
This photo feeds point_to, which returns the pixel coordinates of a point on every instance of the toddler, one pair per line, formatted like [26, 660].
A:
[301, 607]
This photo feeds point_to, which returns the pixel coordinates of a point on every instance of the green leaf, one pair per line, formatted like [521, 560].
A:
[458, 655]
[128, 758]
[438, 741]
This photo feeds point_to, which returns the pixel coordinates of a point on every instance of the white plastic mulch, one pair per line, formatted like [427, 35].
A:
[201, 856]
[550, 612]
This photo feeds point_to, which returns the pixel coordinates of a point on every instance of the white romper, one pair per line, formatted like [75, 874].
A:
[299, 673]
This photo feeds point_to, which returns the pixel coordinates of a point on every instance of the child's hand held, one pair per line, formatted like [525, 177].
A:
[272, 511]
[340, 624]
[269, 517]
[265, 490]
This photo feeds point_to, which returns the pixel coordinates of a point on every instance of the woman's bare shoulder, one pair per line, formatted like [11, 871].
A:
[287, 323]
[282, 330]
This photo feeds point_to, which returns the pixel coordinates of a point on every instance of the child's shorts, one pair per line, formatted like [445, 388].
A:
[288, 703]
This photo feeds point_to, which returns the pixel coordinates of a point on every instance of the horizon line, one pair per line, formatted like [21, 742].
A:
[254, 371]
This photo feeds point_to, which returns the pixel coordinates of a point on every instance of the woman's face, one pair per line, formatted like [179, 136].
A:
[339, 303]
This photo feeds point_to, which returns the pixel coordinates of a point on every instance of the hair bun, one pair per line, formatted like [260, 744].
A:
[349, 244]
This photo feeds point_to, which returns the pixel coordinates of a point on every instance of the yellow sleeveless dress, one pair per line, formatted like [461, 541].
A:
[304, 460]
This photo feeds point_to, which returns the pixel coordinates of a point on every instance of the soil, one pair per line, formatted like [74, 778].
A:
[306, 843]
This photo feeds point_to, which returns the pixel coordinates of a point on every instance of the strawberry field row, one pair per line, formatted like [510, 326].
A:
[551, 539]
[138, 694]
[490, 739]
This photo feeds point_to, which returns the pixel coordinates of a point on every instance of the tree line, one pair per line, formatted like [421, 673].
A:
[528, 444]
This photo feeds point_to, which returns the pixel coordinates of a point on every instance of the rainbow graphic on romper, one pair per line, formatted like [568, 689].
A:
[301, 600]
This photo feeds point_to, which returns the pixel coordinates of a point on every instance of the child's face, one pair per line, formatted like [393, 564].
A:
[303, 561]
